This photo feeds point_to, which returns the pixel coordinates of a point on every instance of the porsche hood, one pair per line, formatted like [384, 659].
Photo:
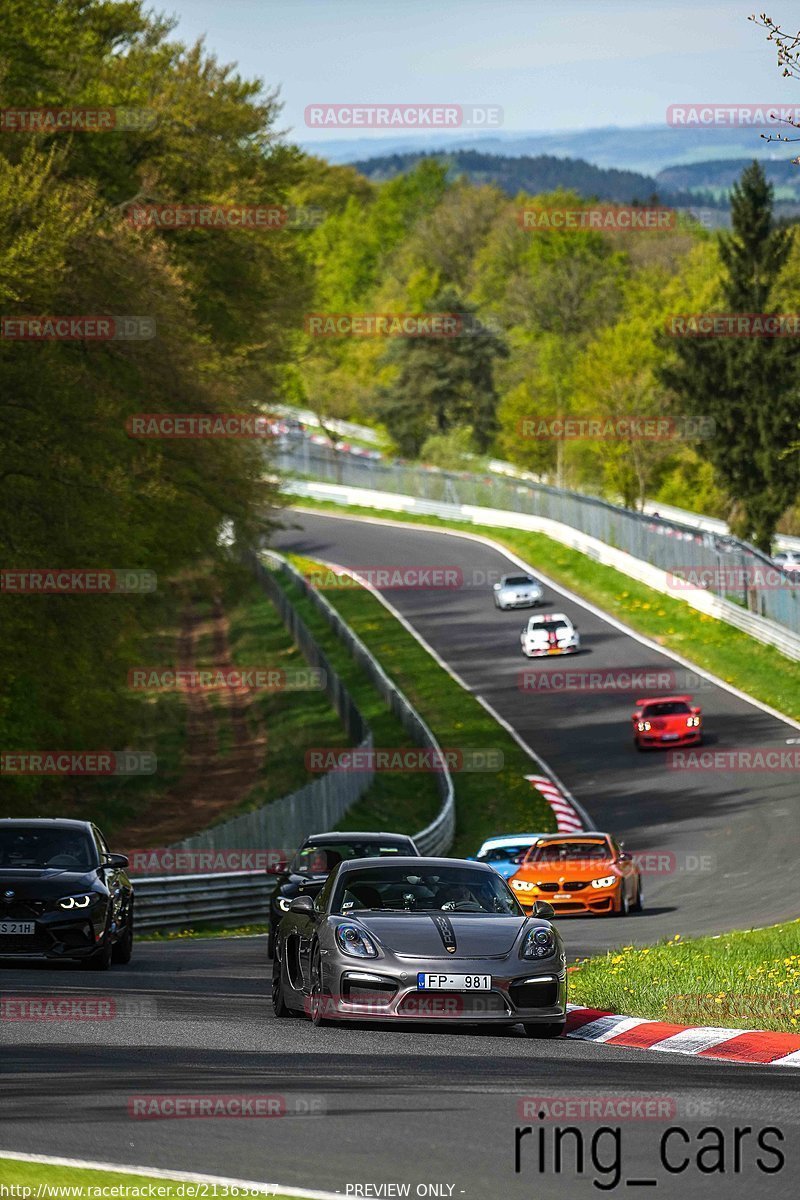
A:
[442, 934]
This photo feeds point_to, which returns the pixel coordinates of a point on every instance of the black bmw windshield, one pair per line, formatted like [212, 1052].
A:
[445, 889]
[34, 847]
[321, 857]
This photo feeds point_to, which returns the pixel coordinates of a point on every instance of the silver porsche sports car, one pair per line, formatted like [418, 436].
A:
[424, 939]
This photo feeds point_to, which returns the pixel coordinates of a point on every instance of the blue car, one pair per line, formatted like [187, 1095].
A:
[506, 851]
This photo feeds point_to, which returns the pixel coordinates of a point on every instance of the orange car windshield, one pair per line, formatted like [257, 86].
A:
[569, 852]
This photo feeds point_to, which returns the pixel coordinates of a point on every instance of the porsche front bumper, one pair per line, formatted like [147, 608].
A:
[523, 991]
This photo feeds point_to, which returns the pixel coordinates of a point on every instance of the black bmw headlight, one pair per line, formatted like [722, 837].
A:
[539, 943]
[85, 900]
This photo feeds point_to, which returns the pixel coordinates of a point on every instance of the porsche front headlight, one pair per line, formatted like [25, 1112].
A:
[352, 940]
[540, 943]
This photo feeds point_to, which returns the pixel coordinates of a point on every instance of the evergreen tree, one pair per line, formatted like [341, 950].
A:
[443, 383]
[746, 384]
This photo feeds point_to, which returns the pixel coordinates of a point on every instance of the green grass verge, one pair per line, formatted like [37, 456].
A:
[749, 979]
[758, 670]
[486, 802]
[201, 931]
[84, 1181]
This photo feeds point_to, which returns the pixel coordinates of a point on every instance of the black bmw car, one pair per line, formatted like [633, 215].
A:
[63, 894]
[316, 858]
[424, 939]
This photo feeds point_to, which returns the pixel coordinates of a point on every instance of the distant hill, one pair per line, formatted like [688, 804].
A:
[644, 148]
[544, 173]
[719, 176]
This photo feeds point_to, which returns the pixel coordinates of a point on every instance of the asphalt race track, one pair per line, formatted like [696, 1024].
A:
[426, 1105]
[724, 844]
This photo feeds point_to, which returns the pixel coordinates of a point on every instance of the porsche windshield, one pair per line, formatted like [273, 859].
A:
[517, 581]
[445, 889]
[568, 852]
[321, 857]
[34, 847]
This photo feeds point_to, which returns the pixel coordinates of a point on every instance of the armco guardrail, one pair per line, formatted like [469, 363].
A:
[176, 901]
[735, 568]
[437, 837]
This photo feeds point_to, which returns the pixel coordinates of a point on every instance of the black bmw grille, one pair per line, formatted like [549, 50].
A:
[20, 943]
[21, 910]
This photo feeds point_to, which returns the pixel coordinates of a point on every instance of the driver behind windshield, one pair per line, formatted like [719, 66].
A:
[397, 889]
[36, 849]
[454, 895]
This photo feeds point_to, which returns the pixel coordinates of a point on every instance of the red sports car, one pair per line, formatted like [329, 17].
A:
[667, 721]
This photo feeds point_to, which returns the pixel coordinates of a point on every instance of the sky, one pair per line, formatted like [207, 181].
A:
[550, 65]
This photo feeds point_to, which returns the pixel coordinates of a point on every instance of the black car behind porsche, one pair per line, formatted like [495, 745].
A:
[317, 857]
[63, 894]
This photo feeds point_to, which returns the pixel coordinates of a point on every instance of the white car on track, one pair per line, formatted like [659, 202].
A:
[517, 591]
[788, 561]
[549, 633]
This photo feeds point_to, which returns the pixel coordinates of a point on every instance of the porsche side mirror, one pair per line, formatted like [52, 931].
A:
[276, 868]
[544, 910]
[116, 861]
[302, 905]
[625, 856]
